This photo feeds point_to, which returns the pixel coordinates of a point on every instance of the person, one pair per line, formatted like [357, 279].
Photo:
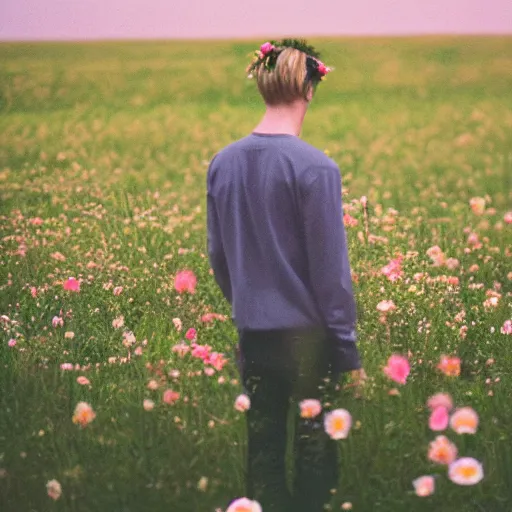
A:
[278, 251]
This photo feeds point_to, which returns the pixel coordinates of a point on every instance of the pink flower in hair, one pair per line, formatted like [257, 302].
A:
[322, 68]
[266, 48]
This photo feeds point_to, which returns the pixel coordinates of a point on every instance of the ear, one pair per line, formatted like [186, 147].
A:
[309, 93]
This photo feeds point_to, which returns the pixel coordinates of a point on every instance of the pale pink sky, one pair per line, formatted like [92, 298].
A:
[99, 19]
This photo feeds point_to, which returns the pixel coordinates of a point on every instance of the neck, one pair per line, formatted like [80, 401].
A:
[285, 119]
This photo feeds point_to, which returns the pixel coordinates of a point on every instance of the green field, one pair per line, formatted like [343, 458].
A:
[104, 149]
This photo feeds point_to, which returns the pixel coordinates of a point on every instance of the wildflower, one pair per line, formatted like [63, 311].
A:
[397, 369]
[385, 306]
[11, 343]
[84, 414]
[83, 381]
[209, 317]
[54, 489]
[440, 400]
[477, 205]
[437, 256]
[66, 366]
[424, 485]
[185, 281]
[242, 403]
[346, 506]
[191, 334]
[177, 324]
[266, 48]
[508, 218]
[170, 397]
[201, 351]
[464, 421]
[439, 419]
[349, 221]
[57, 321]
[69, 335]
[310, 408]
[452, 263]
[72, 285]
[507, 327]
[442, 450]
[244, 505]
[129, 338]
[152, 385]
[209, 371]
[148, 404]
[202, 484]
[118, 290]
[465, 471]
[450, 366]
[181, 349]
[337, 423]
[118, 322]
[393, 270]
[217, 360]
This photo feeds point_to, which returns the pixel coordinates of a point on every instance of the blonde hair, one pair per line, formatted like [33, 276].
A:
[287, 81]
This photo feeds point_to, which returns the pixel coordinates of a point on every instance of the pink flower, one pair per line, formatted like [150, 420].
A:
[464, 421]
[54, 489]
[398, 368]
[66, 366]
[508, 218]
[349, 221]
[440, 400]
[465, 471]
[242, 403]
[210, 317]
[11, 343]
[217, 360]
[477, 204]
[177, 324]
[57, 321]
[72, 285]
[181, 349]
[442, 450]
[185, 281]
[191, 334]
[450, 366]
[310, 408]
[118, 290]
[201, 351]
[170, 397]
[385, 306]
[266, 48]
[84, 414]
[439, 419]
[244, 505]
[83, 381]
[36, 221]
[424, 485]
[338, 423]
[33, 291]
[393, 270]
[507, 327]
[322, 68]
[148, 404]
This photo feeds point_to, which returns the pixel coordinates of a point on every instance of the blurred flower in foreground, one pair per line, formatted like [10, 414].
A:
[148, 404]
[464, 421]
[337, 423]
[54, 489]
[465, 471]
[244, 505]
[83, 381]
[397, 368]
[424, 485]
[310, 408]
[507, 327]
[442, 450]
[72, 285]
[242, 403]
[440, 400]
[439, 419]
[83, 414]
[449, 366]
[170, 396]
[185, 281]
[508, 218]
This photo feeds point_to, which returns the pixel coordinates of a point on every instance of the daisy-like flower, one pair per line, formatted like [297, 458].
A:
[244, 505]
[450, 366]
[442, 450]
[54, 489]
[465, 471]
[84, 414]
[424, 485]
[242, 403]
[337, 423]
[310, 408]
[464, 421]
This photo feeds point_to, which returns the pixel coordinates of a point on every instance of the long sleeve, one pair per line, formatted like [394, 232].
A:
[216, 253]
[328, 263]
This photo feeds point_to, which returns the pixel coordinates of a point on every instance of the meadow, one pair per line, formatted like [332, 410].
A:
[104, 149]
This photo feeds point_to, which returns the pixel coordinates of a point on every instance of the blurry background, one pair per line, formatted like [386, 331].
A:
[99, 19]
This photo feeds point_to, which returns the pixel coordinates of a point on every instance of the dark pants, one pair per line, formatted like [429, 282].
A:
[280, 367]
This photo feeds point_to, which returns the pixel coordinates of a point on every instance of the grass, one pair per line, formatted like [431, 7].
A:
[108, 145]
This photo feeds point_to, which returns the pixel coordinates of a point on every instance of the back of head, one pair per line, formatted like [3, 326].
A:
[286, 70]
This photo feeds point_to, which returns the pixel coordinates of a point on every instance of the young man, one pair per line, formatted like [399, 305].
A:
[277, 246]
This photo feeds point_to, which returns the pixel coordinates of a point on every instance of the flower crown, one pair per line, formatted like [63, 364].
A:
[269, 52]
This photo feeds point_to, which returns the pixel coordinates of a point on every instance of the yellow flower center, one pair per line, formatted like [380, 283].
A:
[467, 471]
[338, 423]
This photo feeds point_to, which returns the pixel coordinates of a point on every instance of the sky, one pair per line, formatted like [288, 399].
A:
[154, 19]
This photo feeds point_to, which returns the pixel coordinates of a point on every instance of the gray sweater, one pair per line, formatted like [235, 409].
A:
[276, 239]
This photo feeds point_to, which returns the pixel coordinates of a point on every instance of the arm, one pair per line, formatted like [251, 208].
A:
[329, 268]
[216, 250]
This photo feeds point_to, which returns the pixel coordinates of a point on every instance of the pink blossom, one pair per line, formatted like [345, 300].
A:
[11, 343]
[181, 349]
[507, 327]
[508, 218]
[266, 48]
[385, 306]
[36, 221]
[191, 334]
[209, 371]
[57, 321]
[185, 281]
[322, 68]
[209, 317]
[439, 419]
[440, 400]
[33, 291]
[424, 485]
[83, 381]
[217, 360]
[201, 351]
[118, 290]
[450, 366]
[393, 270]
[397, 369]
[349, 221]
[72, 285]
[170, 397]
[242, 403]
[66, 366]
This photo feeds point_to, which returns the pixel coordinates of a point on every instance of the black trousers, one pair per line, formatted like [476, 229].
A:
[279, 369]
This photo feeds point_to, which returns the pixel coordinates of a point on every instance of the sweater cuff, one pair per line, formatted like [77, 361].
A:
[346, 356]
